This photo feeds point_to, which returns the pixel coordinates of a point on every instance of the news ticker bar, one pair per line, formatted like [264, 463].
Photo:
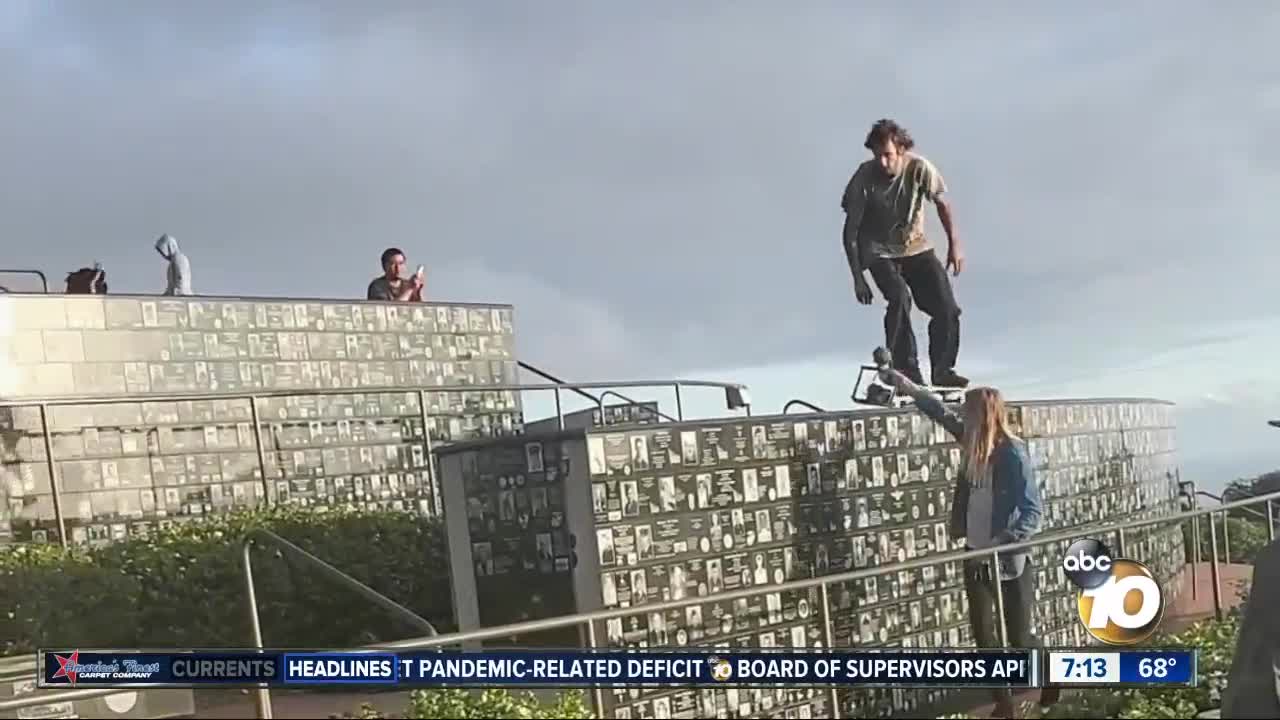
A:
[711, 668]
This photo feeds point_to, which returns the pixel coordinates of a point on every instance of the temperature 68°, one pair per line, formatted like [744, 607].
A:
[1155, 667]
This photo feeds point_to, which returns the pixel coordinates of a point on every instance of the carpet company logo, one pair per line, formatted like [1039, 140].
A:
[1120, 602]
[68, 667]
[98, 667]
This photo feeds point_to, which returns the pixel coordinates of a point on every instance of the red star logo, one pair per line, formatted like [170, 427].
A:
[67, 666]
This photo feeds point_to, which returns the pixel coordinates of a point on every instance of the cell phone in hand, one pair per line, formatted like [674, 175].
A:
[422, 270]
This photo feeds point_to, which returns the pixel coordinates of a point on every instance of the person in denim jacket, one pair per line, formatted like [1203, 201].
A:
[996, 502]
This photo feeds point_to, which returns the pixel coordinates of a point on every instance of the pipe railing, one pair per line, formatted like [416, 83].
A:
[262, 695]
[44, 281]
[802, 403]
[409, 617]
[1226, 535]
[588, 619]
[54, 400]
[548, 376]
[1221, 499]
[51, 461]
[599, 401]
[530, 626]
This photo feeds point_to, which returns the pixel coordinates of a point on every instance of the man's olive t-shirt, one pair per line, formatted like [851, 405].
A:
[382, 289]
[889, 211]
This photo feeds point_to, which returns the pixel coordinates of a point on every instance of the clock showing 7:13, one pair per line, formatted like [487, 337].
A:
[1072, 668]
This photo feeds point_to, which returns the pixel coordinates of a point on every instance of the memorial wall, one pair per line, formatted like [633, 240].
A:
[629, 516]
[124, 467]
[616, 511]
[637, 413]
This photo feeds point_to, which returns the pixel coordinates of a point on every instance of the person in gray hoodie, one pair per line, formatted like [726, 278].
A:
[179, 266]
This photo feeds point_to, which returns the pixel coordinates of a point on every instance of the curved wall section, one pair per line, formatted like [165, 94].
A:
[630, 516]
[124, 467]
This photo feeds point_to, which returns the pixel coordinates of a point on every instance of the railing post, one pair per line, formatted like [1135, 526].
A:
[436, 510]
[679, 403]
[262, 451]
[829, 637]
[560, 410]
[1120, 542]
[1271, 523]
[263, 693]
[597, 697]
[54, 491]
[1226, 537]
[1195, 557]
[1213, 568]
[999, 588]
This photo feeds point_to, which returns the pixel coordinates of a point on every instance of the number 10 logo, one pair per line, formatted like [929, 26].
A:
[1120, 602]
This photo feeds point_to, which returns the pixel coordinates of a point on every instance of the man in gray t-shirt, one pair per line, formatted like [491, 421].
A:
[884, 206]
[390, 286]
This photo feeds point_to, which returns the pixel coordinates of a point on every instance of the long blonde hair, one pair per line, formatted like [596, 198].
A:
[986, 423]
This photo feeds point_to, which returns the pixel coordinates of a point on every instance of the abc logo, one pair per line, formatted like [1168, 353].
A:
[1120, 602]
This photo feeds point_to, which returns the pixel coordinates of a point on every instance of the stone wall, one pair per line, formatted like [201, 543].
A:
[147, 459]
[694, 509]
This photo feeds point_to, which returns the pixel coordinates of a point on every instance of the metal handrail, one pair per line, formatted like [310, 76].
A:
[548, 376]
[55, 400]
[598, 401]
[44, 403]
[588, 619]
[1226, 530]
[266, 537]
[1219, 499]
[44, 281]
[262, 695]
[333, 573]
[529, 626]
[803, 403]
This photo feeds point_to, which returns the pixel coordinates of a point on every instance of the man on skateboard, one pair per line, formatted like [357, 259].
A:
[884, 206]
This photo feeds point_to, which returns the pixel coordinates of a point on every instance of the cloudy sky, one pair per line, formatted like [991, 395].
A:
[655, 185]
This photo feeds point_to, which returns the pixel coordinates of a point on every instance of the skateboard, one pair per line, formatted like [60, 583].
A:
[869, 389]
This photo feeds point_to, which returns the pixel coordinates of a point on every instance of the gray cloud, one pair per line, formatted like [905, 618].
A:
[655, 186]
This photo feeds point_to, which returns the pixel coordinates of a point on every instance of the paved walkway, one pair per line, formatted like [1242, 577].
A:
[1195, 601]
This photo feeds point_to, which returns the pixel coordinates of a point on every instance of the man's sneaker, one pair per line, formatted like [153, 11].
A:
[949, 379]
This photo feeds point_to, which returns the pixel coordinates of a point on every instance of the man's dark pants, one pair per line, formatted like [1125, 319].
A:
[923, 278]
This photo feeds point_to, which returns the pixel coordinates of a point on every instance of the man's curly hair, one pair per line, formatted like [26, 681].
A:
[885, 130]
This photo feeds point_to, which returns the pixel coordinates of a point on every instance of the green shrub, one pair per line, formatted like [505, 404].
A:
[492, 703]
[184, 586]
[1215, 641]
